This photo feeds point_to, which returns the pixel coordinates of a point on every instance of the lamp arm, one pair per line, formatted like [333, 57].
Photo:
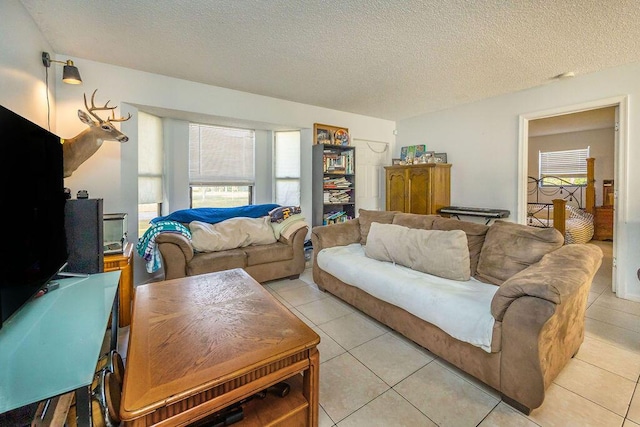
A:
[46, 60]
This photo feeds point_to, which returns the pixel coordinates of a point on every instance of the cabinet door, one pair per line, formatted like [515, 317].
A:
[440, 188]
[418, 190]
[396, 190]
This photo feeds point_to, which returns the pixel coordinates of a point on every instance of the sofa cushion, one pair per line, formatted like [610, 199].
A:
[475, 236]
[231, 233]
[411, 220]
[208, 262]
[510, 248]
[366, 217]
[441, 253]
[461, 309]
[263, 254]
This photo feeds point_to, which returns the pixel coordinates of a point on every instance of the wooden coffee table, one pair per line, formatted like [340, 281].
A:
[201, 343]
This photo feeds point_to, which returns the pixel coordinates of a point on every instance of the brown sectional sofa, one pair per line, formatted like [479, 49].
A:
[284, 258]
[539, 307]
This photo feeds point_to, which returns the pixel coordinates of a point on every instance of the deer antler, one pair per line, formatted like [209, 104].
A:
[106, 107]
[121, 119]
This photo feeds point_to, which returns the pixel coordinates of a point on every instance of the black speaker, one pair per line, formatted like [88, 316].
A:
[84, 228]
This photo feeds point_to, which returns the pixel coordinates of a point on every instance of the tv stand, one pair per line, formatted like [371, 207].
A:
[52, 343]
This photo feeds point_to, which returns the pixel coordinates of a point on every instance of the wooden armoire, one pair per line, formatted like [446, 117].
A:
[420, 189]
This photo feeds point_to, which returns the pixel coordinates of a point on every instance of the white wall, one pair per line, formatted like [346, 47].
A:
[481, 140]
[22, 75]
[110, 173]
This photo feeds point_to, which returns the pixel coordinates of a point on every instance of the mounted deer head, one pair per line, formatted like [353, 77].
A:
[82, 146]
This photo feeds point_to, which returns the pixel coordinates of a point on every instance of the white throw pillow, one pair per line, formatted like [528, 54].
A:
[231, 233]
[438, 252]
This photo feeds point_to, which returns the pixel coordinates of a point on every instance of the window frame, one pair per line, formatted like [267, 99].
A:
[573, 160]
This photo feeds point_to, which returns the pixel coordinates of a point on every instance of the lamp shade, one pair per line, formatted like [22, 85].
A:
[70, 74]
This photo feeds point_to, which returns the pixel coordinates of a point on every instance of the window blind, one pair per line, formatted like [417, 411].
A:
[287, 164]
[566, 163]
[287, 168]
[150, 158]
[220, 155]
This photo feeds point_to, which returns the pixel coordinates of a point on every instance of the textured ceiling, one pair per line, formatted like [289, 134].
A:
[391, 59]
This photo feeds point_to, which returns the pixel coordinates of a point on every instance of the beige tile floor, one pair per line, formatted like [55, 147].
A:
[372, 376]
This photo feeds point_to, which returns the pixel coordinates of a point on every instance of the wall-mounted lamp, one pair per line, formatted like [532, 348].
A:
[70, 73]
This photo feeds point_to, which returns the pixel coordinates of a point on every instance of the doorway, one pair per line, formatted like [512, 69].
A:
[371, 157]
[530, 121]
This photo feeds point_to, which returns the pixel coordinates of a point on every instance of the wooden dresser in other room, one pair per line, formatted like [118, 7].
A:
[603, 223]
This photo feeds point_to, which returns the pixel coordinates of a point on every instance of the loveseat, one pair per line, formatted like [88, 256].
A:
[509, 311]
[236, 243]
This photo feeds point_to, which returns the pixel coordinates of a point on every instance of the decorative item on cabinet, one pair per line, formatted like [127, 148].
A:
[440, 157]
[412, 153]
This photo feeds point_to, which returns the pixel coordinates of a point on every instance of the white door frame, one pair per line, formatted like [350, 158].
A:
[620, 169]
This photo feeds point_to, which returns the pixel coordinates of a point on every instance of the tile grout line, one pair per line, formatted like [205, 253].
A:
[589, 400]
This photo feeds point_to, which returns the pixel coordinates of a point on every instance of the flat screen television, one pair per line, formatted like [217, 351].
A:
[31, 211]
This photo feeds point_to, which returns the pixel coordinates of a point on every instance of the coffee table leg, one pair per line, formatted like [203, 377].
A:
[311, 386]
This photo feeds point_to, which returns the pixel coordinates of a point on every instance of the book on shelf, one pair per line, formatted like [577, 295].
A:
[337, 196]
[335, 162]
[329, 182]
[335, 217]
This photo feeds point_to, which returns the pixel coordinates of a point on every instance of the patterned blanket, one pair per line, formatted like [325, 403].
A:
[147, 247]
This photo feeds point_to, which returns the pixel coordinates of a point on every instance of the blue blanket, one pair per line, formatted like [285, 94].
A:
[215, 215]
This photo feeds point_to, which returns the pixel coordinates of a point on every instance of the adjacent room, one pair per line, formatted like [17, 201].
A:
[231, 213]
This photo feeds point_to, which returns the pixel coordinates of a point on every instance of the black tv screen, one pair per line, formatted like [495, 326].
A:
[31, 211]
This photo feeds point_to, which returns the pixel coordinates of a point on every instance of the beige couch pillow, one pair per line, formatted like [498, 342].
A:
[365, 218]
[231, 233]
[441, 253]
[475, 236]
[510, 248]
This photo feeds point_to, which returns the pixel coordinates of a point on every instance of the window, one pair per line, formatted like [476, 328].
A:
[150, 169]
[568, 167]
[286, 149]
[221, 166]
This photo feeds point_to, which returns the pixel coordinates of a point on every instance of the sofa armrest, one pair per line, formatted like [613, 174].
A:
[341, 234]
[296, 239]
[542, 310]
[555, 277]
[327, 236]
[176, 251]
